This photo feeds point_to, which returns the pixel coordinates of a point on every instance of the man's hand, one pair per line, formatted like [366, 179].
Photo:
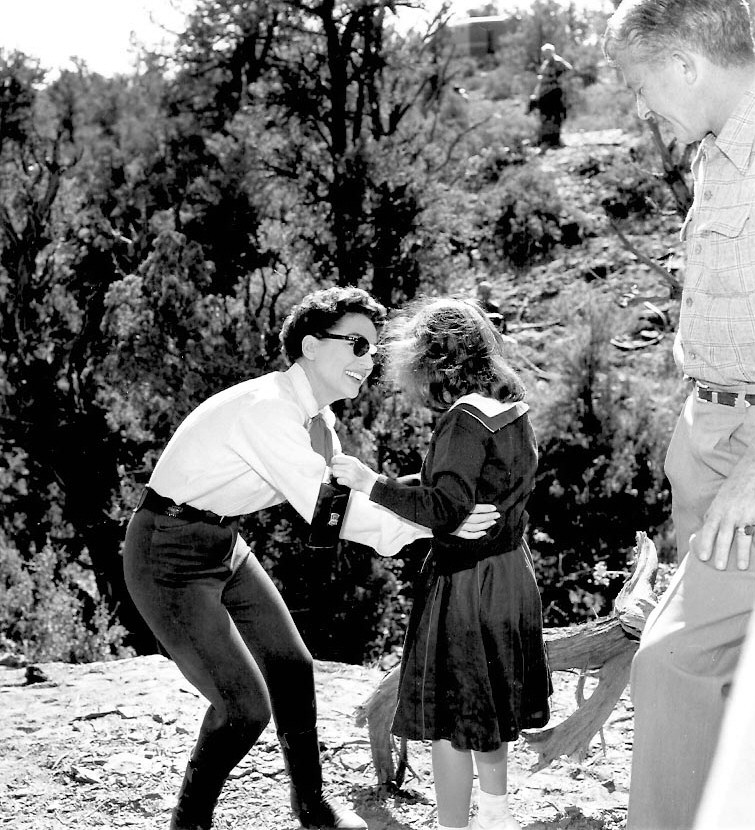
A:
[730, 518]
[478, 522]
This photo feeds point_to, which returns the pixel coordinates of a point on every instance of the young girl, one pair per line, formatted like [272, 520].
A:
[474, 671]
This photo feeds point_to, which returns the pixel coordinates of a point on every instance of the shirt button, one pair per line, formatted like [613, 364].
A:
[698, 248]
[693, 356]
[688, 301]
[707, 195]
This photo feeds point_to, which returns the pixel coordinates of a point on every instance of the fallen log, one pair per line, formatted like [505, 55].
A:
[606, 647]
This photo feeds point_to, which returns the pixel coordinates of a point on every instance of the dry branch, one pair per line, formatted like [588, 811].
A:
[675, 286]
[673, 172]
[606, 646]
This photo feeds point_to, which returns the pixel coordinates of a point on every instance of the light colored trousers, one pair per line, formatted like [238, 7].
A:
[730, 791]
[683, 670]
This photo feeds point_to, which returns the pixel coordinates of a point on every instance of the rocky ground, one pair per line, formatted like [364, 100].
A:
[104, 745]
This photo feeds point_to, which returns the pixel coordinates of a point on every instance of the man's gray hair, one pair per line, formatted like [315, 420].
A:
[720, 30]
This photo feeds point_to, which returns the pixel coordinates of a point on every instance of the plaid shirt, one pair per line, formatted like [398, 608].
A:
[717, 316]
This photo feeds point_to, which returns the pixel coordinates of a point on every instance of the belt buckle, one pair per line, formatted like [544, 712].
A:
[737, 400]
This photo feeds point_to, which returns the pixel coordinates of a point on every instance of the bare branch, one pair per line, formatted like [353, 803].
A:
[669, 278]
[673, 173]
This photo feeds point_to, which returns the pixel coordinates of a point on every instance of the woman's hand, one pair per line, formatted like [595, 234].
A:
[478, 522]
[351, 472]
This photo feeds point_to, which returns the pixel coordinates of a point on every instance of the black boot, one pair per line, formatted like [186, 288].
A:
[313, 808]
[196, 799]
[219, 748]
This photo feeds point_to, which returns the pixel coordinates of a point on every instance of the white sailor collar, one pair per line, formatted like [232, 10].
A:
[490, 412]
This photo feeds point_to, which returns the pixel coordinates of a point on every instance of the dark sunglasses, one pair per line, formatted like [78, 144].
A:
[359, 343]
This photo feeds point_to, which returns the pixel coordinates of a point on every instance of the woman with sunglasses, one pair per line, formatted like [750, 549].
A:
[204, 594]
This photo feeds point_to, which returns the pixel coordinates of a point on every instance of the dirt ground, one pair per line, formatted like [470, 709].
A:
[104, 745]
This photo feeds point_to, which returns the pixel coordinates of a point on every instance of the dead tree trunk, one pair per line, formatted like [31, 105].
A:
[606, 647]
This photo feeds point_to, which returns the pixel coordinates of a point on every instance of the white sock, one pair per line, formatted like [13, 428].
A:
[492, 809]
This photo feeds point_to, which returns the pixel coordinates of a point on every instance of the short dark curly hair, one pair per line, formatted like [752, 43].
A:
[320, 310]
[439, 349]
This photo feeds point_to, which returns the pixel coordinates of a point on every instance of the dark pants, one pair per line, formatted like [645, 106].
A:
[552, 112]
[228, 630]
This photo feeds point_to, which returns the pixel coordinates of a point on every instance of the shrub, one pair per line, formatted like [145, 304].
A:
[602, 432]
[607, 105]
[522, 217]
[627, 182]
[50, 609]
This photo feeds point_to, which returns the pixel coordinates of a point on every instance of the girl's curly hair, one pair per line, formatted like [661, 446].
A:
[437, 350]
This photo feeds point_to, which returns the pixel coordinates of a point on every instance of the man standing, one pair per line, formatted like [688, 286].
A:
[691, 66]
[549, 95]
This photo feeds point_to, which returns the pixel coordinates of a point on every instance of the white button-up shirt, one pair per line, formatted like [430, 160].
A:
[247, 448]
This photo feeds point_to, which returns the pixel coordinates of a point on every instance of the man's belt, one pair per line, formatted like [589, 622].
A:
[167, 507]
[724, 398]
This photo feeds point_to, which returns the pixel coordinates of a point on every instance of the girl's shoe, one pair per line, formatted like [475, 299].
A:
[507, 822]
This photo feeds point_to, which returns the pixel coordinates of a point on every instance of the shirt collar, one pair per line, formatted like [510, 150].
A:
[737, 137]
[306, 396]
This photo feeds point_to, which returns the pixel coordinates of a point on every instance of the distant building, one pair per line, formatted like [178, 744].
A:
[478, 37]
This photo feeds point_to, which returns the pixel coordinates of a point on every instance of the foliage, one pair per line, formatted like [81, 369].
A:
[522, 218]
[605, 105]
[50, 609]
[627, 183]
[602, 434]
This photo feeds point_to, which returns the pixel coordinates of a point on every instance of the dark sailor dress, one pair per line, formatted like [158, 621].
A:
[474, 669]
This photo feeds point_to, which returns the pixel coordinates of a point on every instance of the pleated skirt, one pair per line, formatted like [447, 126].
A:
[474, 669]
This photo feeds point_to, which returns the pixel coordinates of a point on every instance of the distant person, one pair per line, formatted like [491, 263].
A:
[691, 67]
[490, 306]
[548, 96]
[474, 670]
[205, 595]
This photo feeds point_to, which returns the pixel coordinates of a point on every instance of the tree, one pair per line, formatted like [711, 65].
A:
[327, 95]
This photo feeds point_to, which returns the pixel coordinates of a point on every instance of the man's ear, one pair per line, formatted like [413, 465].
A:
[687, 64]
[309, 346]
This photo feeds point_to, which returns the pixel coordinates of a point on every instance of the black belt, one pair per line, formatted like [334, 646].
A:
[167, 507]
[725, 398]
